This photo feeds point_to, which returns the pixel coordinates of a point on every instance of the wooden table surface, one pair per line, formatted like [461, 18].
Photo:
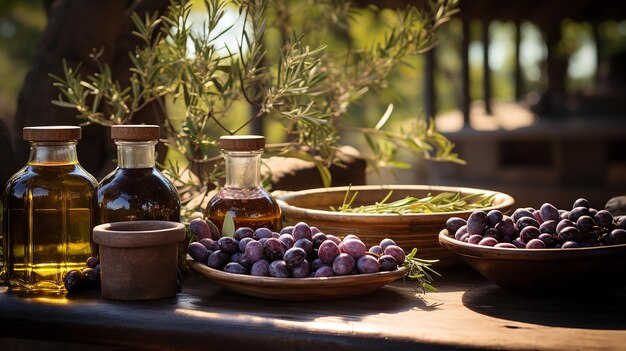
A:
[467, 313]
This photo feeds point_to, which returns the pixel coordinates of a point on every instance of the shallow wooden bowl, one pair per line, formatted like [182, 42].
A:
[298, 289]
[408, 231]
[535, 271]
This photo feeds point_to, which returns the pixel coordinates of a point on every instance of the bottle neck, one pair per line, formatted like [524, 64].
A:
[52, 153]
[243, 169]
[135, 154]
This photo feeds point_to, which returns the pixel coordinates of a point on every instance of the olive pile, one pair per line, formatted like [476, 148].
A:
[546, 227]
[298, 251]
[87, 278]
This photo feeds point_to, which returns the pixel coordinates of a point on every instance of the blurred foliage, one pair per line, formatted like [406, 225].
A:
[21, 22]
[319, 70]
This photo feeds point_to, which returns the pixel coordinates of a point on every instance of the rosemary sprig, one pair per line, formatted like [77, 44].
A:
[419, 269]
[442, 202]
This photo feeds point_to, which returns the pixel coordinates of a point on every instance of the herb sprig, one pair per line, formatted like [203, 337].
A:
[442, 202]
[419, 269]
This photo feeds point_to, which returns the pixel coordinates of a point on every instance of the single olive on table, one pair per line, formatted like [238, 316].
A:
[303, 251]
[546, 227]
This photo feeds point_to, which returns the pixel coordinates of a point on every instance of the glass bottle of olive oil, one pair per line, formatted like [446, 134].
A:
[243, 196]
[49, 211]
[136, 190]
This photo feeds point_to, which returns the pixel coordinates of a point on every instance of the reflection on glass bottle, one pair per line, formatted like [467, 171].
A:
[242, 196]
[49, 210]
[136, 190]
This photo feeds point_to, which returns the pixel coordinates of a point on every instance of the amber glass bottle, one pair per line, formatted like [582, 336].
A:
[49, 212]
[242, 195]
[136, 190]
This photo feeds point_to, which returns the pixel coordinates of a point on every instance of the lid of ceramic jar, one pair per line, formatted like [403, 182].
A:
[135, 132]
[51, 133]
[242, 142]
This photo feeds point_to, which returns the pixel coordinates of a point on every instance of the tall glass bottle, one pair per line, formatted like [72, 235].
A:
[242, 196]
[136, 190]
[49, 211]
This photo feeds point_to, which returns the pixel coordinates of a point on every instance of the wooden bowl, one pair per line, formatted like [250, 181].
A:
[408, 231]
[298, 289]
[535, 271]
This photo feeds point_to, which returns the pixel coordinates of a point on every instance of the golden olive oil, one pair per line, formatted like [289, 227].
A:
[48, 217]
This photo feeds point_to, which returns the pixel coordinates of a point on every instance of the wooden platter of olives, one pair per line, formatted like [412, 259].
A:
[578, 251]
[298, 289]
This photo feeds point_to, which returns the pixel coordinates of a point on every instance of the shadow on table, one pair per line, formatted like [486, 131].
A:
[389, 299]
[588, 311]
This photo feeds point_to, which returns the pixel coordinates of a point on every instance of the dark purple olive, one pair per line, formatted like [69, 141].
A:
[519, 243]
[454, 223]
[492, 233]
[506, 246]
[218, 259]
[324, 271]
[387, 263]
[477, 222]
[617, 236]
[235, 267]
[386, 242]
[548, 239]
[582, 202]
[261, 233]
[586, 224]
[578, 212]
[529, 233]
[301, 230]
[564, 223]
[494, 217]
[604, 219]
[274, 249]
[92, 278]
[620, 222]
[475, 239]
[460, 232]
[376, 250]
[210, 244]
[569, 234]
[304, 244]
[570, 245]
[521, 212]
[243, 232]
[301, 271]
[278, 269]
[287, 230]
[287, 240]
[318, 239]
[506, 228]
[535, 244]
[525, 222]
[549, 212]
[74, 281]
[260, 268]
[548, 227]
[93, 261]
[488, 241]
[198, 252]
[228, 245]
[294, 257]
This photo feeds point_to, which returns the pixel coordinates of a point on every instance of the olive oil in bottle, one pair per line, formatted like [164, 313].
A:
[49, 211]
[136, 190]
[242, 196]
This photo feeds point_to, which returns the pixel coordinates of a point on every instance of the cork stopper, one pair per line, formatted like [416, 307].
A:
[136, 132]
[51, 133]
[242, 142]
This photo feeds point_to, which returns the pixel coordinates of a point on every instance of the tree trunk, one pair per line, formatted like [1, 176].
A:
[75, 29]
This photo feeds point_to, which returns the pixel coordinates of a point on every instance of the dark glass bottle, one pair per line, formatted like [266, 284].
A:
[242, 196]
[49, 211]
[136, 190]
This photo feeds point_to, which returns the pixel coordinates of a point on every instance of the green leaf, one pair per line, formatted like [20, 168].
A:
[228, 228]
